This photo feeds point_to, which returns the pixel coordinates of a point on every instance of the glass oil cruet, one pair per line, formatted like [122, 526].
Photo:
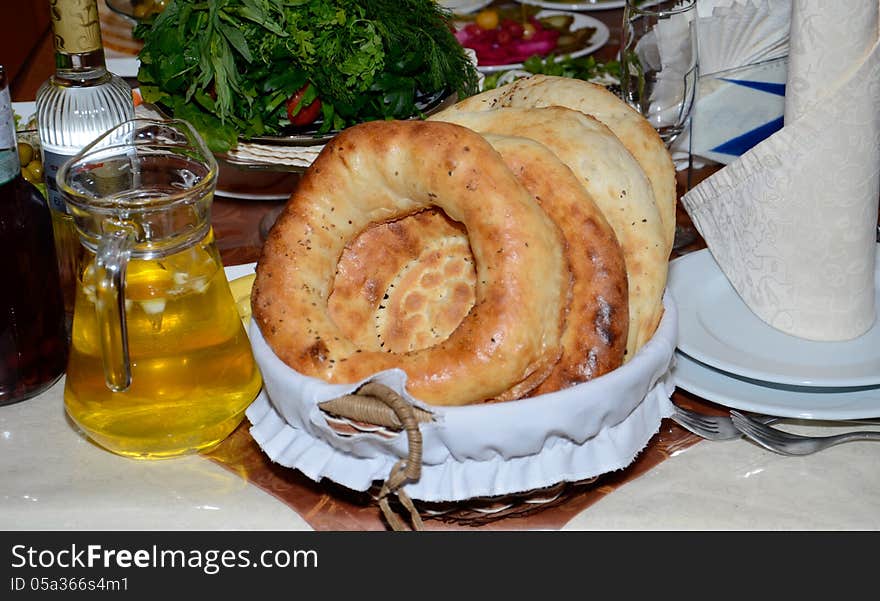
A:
[160, 364]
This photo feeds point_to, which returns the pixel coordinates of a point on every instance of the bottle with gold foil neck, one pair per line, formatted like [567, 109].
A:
[77, 104]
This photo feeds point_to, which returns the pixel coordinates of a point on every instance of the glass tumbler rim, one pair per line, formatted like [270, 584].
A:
[633, 8]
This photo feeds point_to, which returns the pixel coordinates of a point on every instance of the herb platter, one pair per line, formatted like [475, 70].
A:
[291, 72]
[310, 136]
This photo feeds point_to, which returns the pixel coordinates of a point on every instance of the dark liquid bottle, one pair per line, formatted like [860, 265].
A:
[33, 347]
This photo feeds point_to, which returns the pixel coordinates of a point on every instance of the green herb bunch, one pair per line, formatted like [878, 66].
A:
[230, 66]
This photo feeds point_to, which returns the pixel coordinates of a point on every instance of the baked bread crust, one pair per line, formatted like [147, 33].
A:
[405, 285]
[379, 171]
[617, 184]
[636, 134]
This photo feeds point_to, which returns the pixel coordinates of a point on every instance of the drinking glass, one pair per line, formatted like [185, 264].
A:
[660, 70]
[659, 65]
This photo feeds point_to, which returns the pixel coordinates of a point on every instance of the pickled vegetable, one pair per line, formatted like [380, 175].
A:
[142, 9]
[487, 19]
[25, 153]
[29, 155]
[33, 171]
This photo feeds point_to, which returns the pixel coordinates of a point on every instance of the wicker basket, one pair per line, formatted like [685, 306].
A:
[379, 410]
[358, 435]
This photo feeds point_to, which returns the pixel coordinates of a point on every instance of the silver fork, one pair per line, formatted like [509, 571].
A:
[786, 443]
[711, 427]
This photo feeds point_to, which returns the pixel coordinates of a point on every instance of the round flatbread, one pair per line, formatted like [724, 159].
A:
[595, 334]
[617, 184]
[633, 130]
[384, 170]
[405, 285]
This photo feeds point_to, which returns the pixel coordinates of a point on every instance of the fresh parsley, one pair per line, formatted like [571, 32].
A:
[229, 66]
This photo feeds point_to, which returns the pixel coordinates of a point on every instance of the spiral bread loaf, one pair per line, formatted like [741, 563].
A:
[491, 254]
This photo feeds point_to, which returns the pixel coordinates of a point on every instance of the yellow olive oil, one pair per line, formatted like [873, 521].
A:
[193, 373]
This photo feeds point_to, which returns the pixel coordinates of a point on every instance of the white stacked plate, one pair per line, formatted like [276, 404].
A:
[729, 356]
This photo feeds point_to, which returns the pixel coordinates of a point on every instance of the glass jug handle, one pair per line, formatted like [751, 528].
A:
[110, 263]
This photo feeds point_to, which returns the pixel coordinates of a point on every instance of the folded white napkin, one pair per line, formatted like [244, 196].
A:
[743, 46]
[792, 221]
[735, 33]
[737, 109]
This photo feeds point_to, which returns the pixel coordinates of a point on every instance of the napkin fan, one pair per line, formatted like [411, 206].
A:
[737, 33]
[743, 46]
